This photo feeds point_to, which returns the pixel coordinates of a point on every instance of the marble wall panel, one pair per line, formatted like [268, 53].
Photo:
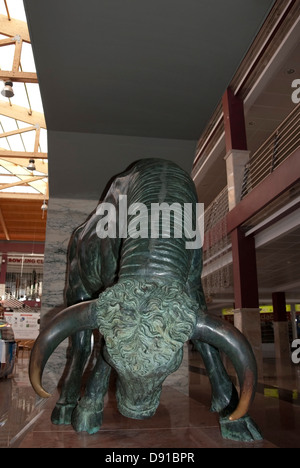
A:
[64, 215]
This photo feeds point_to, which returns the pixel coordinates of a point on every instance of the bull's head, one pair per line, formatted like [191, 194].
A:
[145, 326]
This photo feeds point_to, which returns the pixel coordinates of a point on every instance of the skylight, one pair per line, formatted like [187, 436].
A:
[26, 96]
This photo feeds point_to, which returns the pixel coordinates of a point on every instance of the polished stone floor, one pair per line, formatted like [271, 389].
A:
[182, 421]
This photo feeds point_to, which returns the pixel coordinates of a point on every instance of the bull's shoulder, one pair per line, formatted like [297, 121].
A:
[194, 284]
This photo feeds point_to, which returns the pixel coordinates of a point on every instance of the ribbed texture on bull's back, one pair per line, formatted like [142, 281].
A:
[158, 182]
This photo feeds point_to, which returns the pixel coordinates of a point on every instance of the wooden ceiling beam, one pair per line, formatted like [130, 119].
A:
[20, 214]
[30, 203]
[18, 76]
[19, 224]
[17, 132]
[36, 220]
[14, 227]
[21, 196]
[6, 42]
[21, 182]
[3, 225]
[22, 113]
[25, 238]
[13, 27]
[18, 209]
[41, 166]
[37, 140]
[28, 227]
[23, 154]
[17, 55]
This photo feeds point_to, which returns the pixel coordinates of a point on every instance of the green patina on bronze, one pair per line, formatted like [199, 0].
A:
[145, 297]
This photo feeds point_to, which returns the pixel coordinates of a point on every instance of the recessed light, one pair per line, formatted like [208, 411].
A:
[290, 71]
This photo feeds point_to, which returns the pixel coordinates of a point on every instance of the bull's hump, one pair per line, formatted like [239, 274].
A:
[161, 182]
[163, 258]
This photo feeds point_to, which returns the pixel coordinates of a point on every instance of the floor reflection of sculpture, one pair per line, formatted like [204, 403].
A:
[143, 292]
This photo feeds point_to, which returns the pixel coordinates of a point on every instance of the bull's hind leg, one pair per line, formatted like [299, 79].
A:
[70, 393]
[224, 394]
[87, 416]
[225, 397]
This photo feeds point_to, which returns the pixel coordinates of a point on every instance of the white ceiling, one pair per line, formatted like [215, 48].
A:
[139, 68]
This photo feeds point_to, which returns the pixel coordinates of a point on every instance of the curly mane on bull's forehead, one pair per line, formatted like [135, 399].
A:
[147, 321]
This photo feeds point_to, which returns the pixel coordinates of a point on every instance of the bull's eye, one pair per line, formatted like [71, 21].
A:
[109, 341]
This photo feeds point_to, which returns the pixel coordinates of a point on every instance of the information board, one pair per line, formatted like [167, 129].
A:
[25, 325]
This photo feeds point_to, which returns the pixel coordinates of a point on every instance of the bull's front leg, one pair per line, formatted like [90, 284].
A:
[70, 393]
[225, 398]
[224, 394]
[87, 416]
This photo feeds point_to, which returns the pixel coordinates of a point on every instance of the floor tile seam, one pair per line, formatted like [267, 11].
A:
[102, 431]
[260, 385]
[23, 432]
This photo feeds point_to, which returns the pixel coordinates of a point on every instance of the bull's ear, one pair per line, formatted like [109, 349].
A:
[76, 318]
[227, 338]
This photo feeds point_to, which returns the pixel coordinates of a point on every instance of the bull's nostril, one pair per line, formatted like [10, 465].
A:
[137, 412]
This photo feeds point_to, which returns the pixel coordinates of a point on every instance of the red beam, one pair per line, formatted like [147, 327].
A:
[22, 247]
[234, 122]
[284, 176]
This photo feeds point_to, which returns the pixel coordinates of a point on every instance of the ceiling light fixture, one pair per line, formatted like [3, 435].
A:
[44, 206]
[7, 91]
[31, 165]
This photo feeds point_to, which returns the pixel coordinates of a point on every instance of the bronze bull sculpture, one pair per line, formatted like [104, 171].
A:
[144, 295]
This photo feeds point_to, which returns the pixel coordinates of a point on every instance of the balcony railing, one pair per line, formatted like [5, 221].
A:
[217, 244]
[217, 210]
[278, 147]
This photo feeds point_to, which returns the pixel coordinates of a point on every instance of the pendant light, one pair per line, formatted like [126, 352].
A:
[7, 91]
[31, 165]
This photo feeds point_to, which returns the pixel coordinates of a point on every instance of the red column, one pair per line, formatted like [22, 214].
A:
[244, 270]
[3, 274]
[234, 122]
[243, 248]
[279, 307]
[281, 331]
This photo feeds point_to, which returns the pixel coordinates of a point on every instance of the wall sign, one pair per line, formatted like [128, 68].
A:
[25, 325]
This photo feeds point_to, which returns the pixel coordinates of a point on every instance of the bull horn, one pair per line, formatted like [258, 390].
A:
[67, 322]
[232, 342]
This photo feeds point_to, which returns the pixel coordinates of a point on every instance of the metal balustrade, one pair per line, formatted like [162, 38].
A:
[216, 211]
[278, 147]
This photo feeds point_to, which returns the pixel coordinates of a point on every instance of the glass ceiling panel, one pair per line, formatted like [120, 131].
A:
[20, 189]
[8, 179]
[26, 95]
[16, 9]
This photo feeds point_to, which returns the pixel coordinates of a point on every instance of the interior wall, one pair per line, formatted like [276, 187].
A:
[95, 159]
